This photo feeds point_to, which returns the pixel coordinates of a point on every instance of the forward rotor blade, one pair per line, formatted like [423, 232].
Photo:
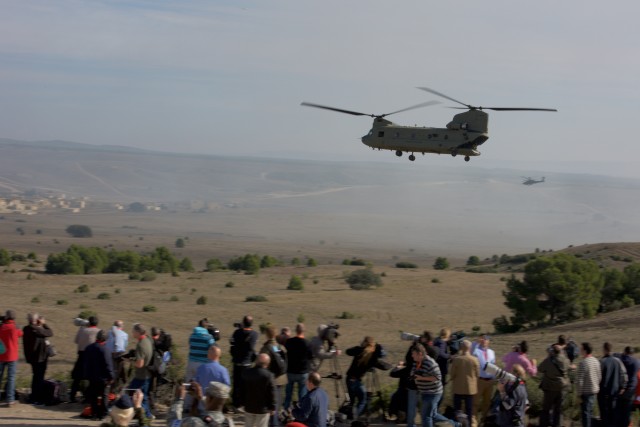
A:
[339, 110]
[435, 92]
[424, 104]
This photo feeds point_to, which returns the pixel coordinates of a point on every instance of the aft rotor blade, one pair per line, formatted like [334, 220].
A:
[424, 104]
[339, 110]
[516, 109]
[435, 92]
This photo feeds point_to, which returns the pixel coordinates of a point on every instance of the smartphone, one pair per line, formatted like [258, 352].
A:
[130, 391]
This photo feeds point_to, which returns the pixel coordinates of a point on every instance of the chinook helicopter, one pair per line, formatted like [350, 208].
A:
[463, 134]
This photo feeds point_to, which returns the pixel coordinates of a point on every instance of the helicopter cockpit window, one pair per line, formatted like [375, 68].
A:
[381, 134]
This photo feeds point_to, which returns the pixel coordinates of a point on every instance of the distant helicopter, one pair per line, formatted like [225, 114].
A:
[462, 135]
[527, 180]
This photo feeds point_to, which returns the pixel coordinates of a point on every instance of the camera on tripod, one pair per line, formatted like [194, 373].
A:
[330, 334]
[211, 328]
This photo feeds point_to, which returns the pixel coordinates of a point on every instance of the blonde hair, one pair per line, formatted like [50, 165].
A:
[369, 345]
[445, 333]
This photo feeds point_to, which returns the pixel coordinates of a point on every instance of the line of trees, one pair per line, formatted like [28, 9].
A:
[561, 288]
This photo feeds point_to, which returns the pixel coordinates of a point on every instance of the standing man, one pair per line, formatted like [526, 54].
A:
[278, 366]
[86, 335]
[588, 382]
[259, 393]
[199, 342]
[298, 361]
[312, 409]
[485, 381]
[464, 373]
[117, 342]
[212, 370]
[100, 374]
[34, 342]
[625, 400]
[612, 385]
[9, 336]
[142, 357]
[243, 353]
[554, 383]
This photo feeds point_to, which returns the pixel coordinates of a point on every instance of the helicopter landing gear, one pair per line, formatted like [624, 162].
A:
[412, 157]
[467, 158]
[399, 153]
[454, 153]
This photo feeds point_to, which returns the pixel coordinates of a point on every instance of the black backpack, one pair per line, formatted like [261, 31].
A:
[278, 364]
[572, 350]
[157, 365]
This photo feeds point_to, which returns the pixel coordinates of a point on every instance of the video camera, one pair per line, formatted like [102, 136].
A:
[211, 328]
[407, 336]
[79, 321]
[330, 334]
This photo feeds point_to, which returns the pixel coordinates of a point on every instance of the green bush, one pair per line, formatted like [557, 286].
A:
[404, 264]
[134, 276]
[214, 264]
[149, 308]
[148, 276]
[62, 302]
[174, 298]
[346, 315]
[85, 314]
[473, 260]
[180, 243]
[229, 285]
[82, 289]
[35, 300]
[295, 283]
[104, 295]
[255, 298]
[435, 280]
[441, 263]
[363, 279]
[482, 269]
[201, 300]
[312, 262]
[77, 230]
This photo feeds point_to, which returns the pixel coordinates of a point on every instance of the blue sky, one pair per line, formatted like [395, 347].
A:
[227, 77]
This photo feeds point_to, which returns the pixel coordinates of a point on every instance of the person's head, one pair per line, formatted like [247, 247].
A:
[214, 353]
[418, 352]
[465, 347]
[286, 331]
[586, 349]
[628, 351]
[445, 333]
[263, 360]
[216, 393]
[426, 337]
[247, 321]
[101, 336]
[519, 371]
[562, 340]
[33, 318]
[93, 320]
[138, 330]
[606, 348]
[300, 329]
[203, 323]
[484, 341]
[555, 350]
[122, 411]
[10, 315]
[524, 347]
[118, 324]
[270, 332]
[313, 381]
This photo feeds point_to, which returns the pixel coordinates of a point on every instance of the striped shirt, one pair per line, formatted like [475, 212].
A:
[588, 376]
[428, 368]
[199, 342]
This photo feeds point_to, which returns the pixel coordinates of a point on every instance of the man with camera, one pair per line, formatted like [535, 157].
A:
[326, 334]
[86, 335]
[555, 383]
[243, 353]
[199, 342]
[214, 398]
[34, 342]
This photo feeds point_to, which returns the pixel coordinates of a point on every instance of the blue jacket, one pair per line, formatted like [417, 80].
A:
[312, 408]
[199, 342]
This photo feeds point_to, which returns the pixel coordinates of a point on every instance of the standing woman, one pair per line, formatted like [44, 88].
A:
[365, 357]
[34, 341]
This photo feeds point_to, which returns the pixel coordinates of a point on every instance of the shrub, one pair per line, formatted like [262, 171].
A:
[174, 298]
[117, 291]
[255, 298]
[473, 260]
[312, 262]
[201, 300]
[62, 302]
[149, 308]
[214, 264]
[404, 264]
[295, 284]
[82, 289]
[35, 300]
[295, 261]
[30, 276]
[346, 315]
[77, 230]
[86, 314]
[104, 295]
[148, 276]
[363, 279]
[229, 285]
[180, 243]
[300, 318]
[441, 263]
[134, 276]
[482, 269]
[435, 280]
[18, 257]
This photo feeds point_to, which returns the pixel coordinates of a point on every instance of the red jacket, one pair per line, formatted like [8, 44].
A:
[9, 336]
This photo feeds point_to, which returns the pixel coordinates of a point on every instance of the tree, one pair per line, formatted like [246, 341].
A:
[441, 263]
[295, 283]
[473, 260]
[214, 264]
[180, 242]
[77, 230]
[554, 289]
[186, 265]
[5, 257]
[363, 279]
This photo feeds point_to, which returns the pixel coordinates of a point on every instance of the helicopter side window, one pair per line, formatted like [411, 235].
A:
[381, 134]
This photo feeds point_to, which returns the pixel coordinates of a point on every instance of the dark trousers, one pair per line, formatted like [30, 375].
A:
[78, 375]
[38, 369]
[625, 407]
[119, 372]
[98, 395]
[586, 408]
[607, 406]
[552, 408]
[238, 385]
[468, 404]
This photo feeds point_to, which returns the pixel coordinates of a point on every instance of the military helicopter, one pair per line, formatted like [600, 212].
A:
[527, 180]
[463, 134]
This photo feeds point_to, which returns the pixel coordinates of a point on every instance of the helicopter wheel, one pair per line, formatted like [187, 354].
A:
[412, 157]
[454, 153]
[467, 158]
[399, 153]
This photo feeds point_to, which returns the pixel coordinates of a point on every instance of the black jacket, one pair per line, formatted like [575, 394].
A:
[97, 362]
[259, 390]
[33, 341]
[359, 368]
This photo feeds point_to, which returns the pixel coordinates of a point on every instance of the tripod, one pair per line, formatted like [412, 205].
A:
[336, 376]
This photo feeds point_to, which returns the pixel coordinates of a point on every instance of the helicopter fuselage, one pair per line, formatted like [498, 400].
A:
[462, 136]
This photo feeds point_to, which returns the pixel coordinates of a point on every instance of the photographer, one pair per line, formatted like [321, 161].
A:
[513, 400]
[34, 341]
[243, 353]
[328, 334]
[216, 395]
[365, 357]
[199, 342]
